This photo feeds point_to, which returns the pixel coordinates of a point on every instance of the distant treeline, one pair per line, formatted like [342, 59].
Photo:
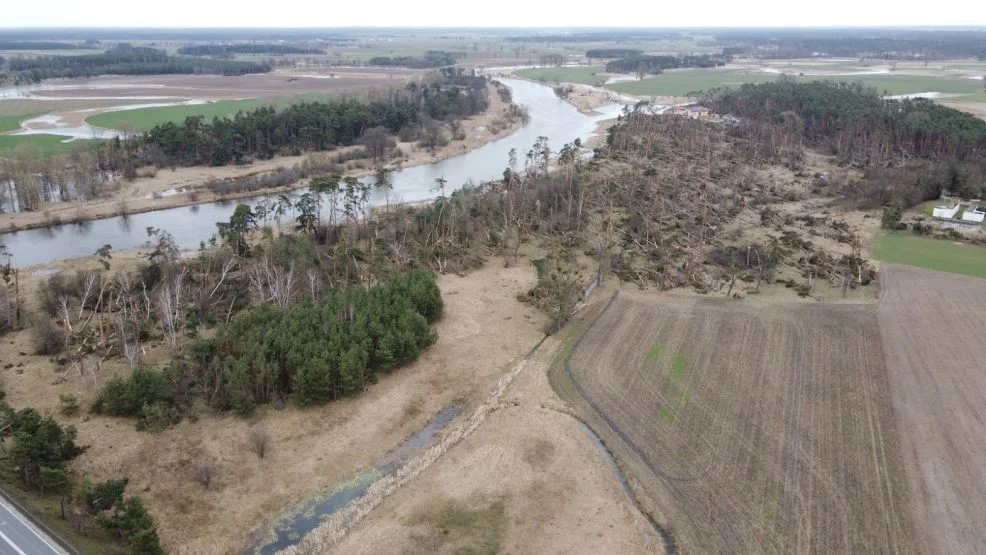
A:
[928, 147]
[623, 35]
[657, 64]
[124, 60]
[897, 44]
[431, 59]
[225, 50]
[38, 45]
[613, 53]
[314, 126]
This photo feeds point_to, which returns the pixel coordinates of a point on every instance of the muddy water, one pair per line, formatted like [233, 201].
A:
[293, 526]
[550, 116]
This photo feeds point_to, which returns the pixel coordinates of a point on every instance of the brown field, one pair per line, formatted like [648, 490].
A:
[748, 427]
[932, 325]
[218, 87]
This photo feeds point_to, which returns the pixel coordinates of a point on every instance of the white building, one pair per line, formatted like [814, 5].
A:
[946, 212]
[973, 215]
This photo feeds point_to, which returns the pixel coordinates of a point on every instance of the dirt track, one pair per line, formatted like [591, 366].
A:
[932, 325]
[750, 428]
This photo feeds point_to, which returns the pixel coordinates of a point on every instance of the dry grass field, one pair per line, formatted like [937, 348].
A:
[748, 427]
[932, 325]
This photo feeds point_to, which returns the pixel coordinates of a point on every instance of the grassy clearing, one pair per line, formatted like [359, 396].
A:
[933, 254]
[680, 83]
[47, 145]
[454, 527]
[13, 123]
[581, 75]
[144, 119]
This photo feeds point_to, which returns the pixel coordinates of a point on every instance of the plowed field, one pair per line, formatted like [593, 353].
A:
[934, 335]
[748, 428]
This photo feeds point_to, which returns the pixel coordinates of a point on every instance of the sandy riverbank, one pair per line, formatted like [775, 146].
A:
[186, 186]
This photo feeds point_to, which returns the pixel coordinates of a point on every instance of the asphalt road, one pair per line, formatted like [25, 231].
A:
[19, 537]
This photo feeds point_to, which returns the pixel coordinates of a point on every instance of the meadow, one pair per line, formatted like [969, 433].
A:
[681, 83]
[581, 75]
[933, 254]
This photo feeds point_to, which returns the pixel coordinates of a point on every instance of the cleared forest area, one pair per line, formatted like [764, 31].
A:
[749, 428]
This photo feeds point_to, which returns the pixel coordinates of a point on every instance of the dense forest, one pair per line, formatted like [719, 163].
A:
[657, 64]
[883, 44]
[613, 53]
[227, 50]
[431, 59]
[123, 60]
[313, 126]
[320, 351]
[938, 147]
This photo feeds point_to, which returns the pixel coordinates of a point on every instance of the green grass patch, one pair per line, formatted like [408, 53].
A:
[654, 353]
[581, 75]
[13, 123]
[681, 83]
[677, 369]
[455, 527]
[933, 254]
[47, 145]
[143, 119]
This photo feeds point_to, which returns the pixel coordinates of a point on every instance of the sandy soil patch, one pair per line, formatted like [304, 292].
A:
[932, 325]
[556, 491]
[139, 195]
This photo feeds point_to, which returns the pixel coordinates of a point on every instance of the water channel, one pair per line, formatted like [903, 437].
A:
[550, 116]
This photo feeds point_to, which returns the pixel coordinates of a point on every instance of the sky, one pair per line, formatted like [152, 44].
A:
[496, 13]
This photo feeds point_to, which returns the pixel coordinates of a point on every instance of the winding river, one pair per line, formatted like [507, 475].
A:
[550, 116]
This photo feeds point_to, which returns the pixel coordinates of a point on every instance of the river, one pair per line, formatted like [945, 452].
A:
[550, 116]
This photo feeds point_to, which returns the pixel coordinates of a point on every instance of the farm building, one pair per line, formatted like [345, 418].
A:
[693, 111]
[946, 212]
[975, 215]
[962, 211]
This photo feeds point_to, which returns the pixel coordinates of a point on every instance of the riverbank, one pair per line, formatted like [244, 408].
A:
[186, 186]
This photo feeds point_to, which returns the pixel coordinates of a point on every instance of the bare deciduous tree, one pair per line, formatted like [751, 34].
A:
[169, 307]
[205, 474]
[259, 441]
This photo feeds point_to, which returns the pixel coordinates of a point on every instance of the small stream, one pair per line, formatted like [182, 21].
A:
[293, 526]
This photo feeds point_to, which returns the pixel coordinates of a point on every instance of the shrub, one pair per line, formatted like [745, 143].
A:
[70, 405]
[146, 394]
[49, 339]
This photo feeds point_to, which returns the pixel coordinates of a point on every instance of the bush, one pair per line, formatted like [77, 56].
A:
[70, 405]
[146, 394]
[49, 339]
[134, 525]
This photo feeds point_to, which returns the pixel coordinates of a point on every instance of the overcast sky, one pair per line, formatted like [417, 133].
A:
[495, 13]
